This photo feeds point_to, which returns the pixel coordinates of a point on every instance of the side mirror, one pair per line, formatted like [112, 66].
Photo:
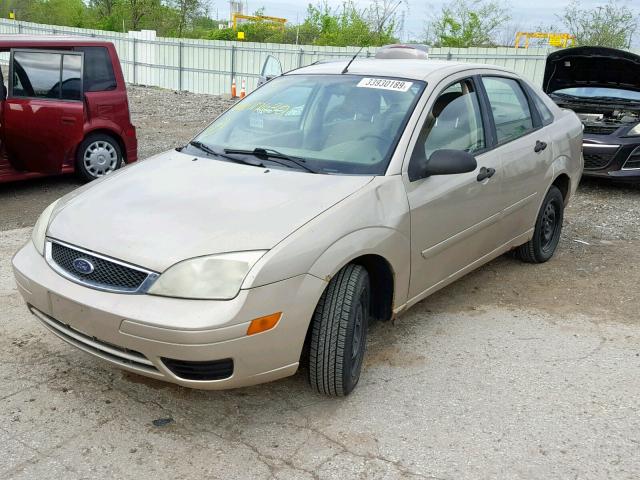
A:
[442, 162]
[3, 92]
[271, 69]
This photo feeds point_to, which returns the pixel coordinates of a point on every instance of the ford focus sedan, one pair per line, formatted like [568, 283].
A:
[331, 196]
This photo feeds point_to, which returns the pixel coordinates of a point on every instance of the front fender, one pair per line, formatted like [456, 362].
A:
[388, 243]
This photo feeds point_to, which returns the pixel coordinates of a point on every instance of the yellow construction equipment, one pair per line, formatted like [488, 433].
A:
[553, 39]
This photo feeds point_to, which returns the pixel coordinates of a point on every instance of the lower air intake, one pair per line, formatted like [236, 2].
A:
[208, 370]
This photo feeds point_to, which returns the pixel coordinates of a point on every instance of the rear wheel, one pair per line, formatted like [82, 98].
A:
[547, 231]
[339, 332]
[98, 155]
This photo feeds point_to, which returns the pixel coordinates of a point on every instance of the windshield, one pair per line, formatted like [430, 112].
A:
[333, 123]
[596, 92]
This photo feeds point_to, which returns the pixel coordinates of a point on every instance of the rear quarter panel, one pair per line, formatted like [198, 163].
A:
[566, 143]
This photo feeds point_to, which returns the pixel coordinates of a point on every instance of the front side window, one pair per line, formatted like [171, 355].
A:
[510, 108]
[344, 124]
[47, 75]
[454, 122]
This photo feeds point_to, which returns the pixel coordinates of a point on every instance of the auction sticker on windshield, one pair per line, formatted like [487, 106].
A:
[385, 84]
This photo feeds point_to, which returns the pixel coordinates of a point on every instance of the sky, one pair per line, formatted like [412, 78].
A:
[526, 14]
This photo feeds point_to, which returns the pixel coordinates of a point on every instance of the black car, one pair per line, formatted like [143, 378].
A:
[602, 85]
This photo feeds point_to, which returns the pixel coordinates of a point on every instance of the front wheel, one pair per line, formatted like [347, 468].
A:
[339, 332]
[98, 155]
[546, 234]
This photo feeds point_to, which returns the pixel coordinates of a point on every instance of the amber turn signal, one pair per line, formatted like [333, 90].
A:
[262, 324]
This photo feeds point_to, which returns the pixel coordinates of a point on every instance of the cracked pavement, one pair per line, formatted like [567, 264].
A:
[448, 392]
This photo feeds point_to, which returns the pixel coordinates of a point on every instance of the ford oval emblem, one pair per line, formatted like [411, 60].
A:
[83, 266]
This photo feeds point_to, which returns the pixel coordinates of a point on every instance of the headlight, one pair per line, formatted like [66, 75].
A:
[215, 277]
[40, 228]
[634, 132]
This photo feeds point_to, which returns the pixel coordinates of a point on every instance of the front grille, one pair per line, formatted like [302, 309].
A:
[106, 274]
[596, 161]
[108, 351]
[601, 129]
[208, 370]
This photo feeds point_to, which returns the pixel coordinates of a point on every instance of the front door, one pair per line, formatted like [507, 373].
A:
[43, 116]
[454, 218]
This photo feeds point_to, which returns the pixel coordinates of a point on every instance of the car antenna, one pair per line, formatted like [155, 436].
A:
[346, 68]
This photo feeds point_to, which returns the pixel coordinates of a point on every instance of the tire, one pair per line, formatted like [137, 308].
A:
[339, 333]
[97, 155]
[546, 234]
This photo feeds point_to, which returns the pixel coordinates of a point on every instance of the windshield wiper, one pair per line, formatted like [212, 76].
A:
[210, 151]
[566, 96]
[270, 153]
[615, 99]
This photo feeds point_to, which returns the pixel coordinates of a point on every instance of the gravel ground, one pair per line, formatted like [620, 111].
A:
[166, 119]
[515, 371]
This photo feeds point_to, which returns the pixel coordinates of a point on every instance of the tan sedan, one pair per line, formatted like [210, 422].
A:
[331, 196]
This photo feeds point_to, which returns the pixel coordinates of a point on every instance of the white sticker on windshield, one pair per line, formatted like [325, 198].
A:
[385, 84]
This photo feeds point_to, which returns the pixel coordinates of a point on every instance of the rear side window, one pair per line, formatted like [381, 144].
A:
[510, 108]
[47, 75]
[545, 113]
[72, 77]
[36, 74]
[98, 70]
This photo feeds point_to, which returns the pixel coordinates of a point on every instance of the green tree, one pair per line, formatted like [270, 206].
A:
[467, 23]
[610, 25]
[186, 12]
[72, 13]
[347, 25]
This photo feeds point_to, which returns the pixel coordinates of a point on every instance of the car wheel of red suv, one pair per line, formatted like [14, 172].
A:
[97, 156]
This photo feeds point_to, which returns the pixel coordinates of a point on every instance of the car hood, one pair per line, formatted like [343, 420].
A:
[176, 206]
[591, 67]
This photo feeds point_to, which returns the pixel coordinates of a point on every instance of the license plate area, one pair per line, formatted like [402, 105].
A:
[74, 314]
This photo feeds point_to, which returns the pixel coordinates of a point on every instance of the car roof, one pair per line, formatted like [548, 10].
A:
[47, 41]
[403, 68]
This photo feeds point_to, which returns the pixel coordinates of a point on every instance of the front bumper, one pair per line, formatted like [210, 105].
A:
[608, 156]
[135, 332]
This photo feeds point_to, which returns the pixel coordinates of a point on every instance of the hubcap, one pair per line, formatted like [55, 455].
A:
[100, 158]
[549, 225]
[357, 342]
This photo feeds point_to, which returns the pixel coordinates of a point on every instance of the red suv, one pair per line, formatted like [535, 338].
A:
[63, 109]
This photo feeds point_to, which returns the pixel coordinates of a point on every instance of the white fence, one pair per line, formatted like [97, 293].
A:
[208, 66]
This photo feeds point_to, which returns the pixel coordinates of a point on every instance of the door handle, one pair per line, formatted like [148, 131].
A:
[68, 120]
[539, 146]
[485, 173]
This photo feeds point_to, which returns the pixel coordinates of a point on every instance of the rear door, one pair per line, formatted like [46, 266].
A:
[43, 116]
[523, 147]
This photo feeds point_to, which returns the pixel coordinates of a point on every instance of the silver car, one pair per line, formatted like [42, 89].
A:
[331, 196]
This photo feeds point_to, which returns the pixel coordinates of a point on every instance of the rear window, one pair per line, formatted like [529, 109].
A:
[98, 70]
